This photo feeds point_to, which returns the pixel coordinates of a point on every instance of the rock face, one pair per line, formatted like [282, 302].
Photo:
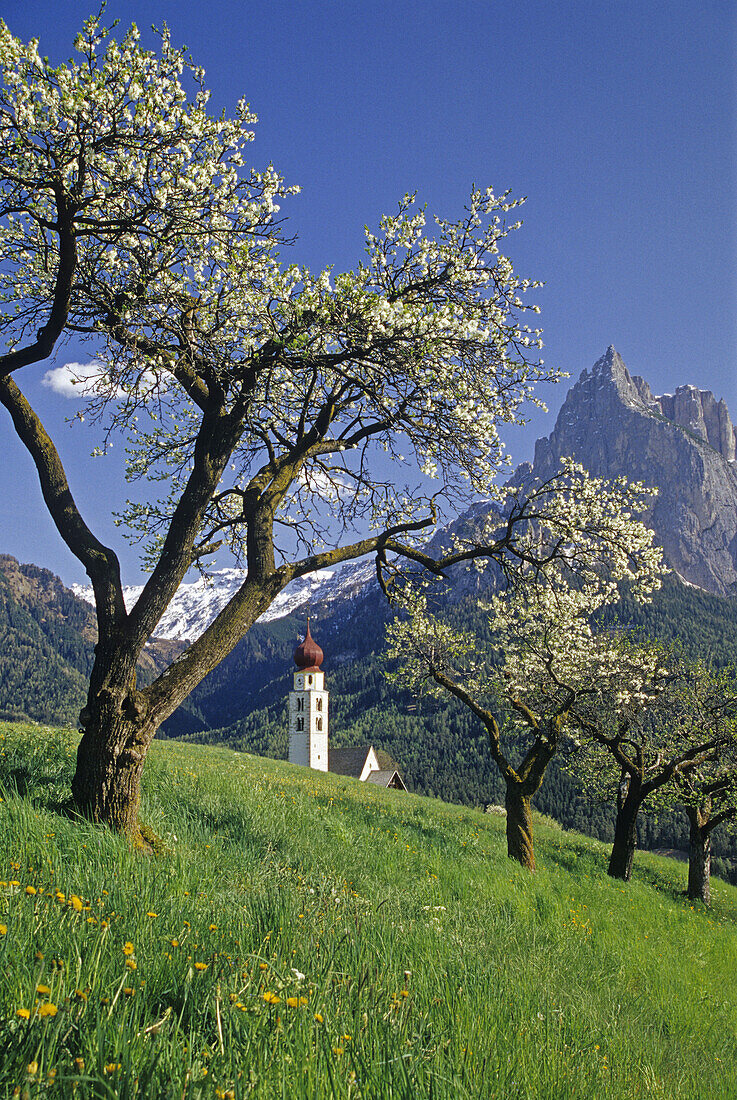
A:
[682, 443]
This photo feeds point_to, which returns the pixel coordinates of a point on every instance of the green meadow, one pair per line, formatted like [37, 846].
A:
[304, 935]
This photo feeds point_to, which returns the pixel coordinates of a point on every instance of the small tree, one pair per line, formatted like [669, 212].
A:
[580, 545]
[678, 726]
[708, 792]
[271, 404]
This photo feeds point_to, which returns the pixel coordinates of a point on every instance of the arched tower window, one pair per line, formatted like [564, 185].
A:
[318, 723]
[300, 723]
[300, 704]
[319, 704]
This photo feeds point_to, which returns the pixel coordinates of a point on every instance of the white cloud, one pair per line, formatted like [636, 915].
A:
[75, 380]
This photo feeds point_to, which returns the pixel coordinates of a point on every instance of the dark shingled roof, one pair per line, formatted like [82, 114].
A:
[387, 778]
[347, 761]
[351, 761]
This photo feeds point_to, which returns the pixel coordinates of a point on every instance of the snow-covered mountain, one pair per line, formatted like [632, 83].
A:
[198, 602]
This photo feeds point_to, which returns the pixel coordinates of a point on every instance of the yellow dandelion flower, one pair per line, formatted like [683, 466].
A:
[23, 1013]
[3, 929]
[31, 890]
[129, 992]
[131, 964]
[39, 955]
[213, 928]
[59, 896]
[14, 882]
[200, 966]
[293, 1002]
[76, 903]
[404, 993]
[263, 966]
[80, 993]
[175, 943]
[42, 989]
[48, 1010]
[320, 1019]
[152, 914]
[338, 1050]
[79, 1065]
[271, 998]
[128, 948]
[111, 1067]
[32, 1068]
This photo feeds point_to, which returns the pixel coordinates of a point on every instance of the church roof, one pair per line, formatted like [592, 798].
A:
[348, 761]
[308, 656]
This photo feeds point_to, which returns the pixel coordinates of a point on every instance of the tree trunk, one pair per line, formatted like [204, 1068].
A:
[625, 834]
[519, 826]
[107, 783]
[699, 855]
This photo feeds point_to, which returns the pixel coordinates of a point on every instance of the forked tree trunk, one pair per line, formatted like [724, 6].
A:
[519, 826]
[699, 855]
[625, 835]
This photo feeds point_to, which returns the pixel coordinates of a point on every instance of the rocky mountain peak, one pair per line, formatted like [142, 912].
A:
[681, 443]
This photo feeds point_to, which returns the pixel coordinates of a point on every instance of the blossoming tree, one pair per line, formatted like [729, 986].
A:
[260, 397]
[578, 544]
[671, 742]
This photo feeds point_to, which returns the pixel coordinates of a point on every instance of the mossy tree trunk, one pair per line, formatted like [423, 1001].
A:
[699, 853]
[629, 801]
[519, 825]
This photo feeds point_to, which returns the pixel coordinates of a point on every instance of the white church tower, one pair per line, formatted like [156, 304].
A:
[308, 708]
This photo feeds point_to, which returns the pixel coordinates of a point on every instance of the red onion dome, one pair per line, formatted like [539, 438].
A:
[308, 655]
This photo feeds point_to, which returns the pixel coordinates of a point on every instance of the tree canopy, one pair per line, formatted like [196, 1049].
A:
[257, 397]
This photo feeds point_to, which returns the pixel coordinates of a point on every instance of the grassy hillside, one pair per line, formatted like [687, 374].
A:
[304, 935]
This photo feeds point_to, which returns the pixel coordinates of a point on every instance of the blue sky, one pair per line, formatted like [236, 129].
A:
[617, 119]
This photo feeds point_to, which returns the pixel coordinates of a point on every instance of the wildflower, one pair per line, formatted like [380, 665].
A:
[213, 928]
[39, 955]
[80, 993]
[404, 993]
[319, 1018]
[76, 903]
[337, 1050]
[23, 1013]
[79, 1063]
[298, 974]
[263, 966]
[32, 1069]
[111, 1067]
[128, 948]
[131, 964]
[152, 914]
[31, 890]
[42, 989]
[271, 998]
[129, 992]
[3, 929]
[48, 1010]
[175, 943]
[293, 1002]
[200, 966]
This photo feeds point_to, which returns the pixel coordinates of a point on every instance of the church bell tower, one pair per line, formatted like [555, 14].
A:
[308, 708]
